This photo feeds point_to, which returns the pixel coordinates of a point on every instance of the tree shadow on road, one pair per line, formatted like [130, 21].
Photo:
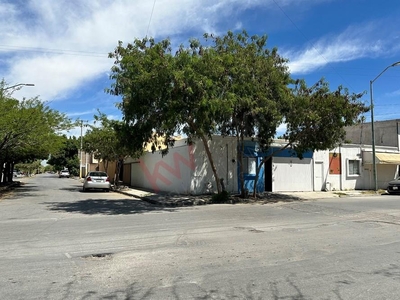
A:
[106, 207]
[6, 190]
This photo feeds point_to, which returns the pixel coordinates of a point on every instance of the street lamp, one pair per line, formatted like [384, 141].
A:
[17, 85]
[372, 124]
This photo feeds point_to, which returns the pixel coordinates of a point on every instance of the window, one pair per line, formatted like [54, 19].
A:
[353, 166]
[249, 165]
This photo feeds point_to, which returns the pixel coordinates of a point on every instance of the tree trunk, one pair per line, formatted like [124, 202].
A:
[12, 171]
[256, 178]
[239, 154]
[7, 173]
[208, 152]
[264, 160]
[1, 171]
[117, 171]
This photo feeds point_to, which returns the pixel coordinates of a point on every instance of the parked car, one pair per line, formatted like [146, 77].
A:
[63, 173]
[394, 186]
[97, 180]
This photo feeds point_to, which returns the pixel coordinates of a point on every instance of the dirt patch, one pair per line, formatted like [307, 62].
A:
[7, 188]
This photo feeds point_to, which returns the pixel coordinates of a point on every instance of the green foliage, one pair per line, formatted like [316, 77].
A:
[29, 129]
[103, 141]
[32, 167]
[222, 197]
[317, 117]
[231, 85]
[48, 168]
[67, 156]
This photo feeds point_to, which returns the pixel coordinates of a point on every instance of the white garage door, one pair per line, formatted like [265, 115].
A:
[292, 174]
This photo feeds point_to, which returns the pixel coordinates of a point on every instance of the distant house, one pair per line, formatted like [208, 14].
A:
[89, 163]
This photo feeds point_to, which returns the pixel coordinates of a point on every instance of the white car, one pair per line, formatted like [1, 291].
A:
[63, 173]
[97, 180]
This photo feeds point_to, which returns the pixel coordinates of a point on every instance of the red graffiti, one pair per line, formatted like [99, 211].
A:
[174, 170]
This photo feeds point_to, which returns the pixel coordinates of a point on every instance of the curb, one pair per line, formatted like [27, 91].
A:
[167, 203]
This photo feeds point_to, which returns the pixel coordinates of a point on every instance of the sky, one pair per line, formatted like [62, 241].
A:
[62, 46]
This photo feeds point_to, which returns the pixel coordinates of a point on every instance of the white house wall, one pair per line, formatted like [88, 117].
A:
[342, 181]
[171, 173]
[352, 182]
[345, 181]
[292, 174]
[224, 155]
[186, 169]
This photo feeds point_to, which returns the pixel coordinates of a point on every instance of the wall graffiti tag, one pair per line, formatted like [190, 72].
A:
[174, 170]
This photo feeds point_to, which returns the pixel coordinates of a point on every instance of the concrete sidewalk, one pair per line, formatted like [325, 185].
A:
[173, 200]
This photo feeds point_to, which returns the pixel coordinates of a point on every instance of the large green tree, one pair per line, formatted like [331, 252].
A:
[231, 85]
[200, 90]
[256, 87]
[29, 130]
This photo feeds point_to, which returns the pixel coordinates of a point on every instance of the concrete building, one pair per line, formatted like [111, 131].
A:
[386, 133]
[387, 148]
[186, 168]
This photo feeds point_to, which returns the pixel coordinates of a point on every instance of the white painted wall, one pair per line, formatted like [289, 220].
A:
[186, 169]
[171, 173]
[224, 155]
[292, 174]
[342, 181]
[185, 173]
[364, 181]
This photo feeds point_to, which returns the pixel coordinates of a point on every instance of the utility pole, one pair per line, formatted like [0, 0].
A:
[81, 156]
[80, 160]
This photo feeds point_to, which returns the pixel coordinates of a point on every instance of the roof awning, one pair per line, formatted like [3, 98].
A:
[388, 158]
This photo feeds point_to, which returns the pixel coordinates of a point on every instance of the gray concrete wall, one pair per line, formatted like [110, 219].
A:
[386, 133]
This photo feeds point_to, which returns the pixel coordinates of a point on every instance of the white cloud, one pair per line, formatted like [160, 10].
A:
[82, 113]
[55, 75]
[393, 94]
[354, 43]
[62, 45]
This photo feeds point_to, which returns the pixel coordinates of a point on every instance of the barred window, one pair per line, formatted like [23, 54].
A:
[354, 167]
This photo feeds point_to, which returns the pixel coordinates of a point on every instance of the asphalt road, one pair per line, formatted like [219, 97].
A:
[57, 242]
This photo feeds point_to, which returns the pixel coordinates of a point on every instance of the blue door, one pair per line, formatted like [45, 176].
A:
[250, 165]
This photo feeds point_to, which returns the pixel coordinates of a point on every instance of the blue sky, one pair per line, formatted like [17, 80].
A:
[61, 46]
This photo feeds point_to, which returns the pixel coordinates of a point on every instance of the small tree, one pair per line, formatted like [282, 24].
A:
[104, 143]
[67, 156]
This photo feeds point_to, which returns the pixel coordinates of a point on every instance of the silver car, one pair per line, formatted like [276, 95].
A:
[96, 180]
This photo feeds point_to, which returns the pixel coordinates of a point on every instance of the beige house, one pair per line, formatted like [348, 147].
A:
[89, 163]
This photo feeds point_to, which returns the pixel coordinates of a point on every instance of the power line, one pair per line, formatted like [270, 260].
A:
[151, 16]
[298, 29]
